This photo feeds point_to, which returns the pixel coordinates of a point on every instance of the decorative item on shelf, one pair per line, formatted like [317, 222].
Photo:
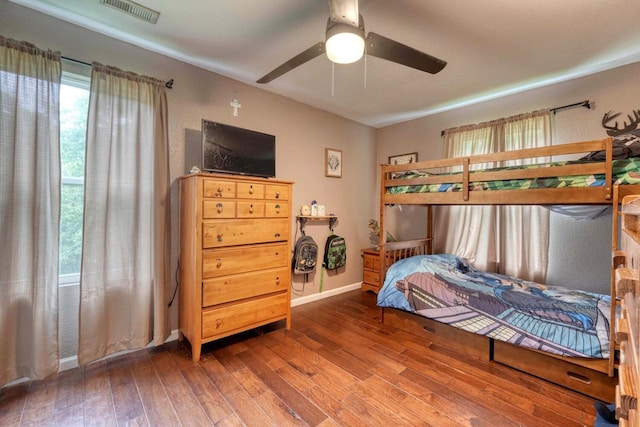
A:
[314, 208]
[305, 210]
[195, 169]
[322, 210]
[374, 234]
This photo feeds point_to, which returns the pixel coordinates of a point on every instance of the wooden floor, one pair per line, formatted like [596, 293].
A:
[337, 366]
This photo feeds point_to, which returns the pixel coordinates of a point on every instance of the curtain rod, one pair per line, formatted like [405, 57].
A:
[586, 104]
[168, 84]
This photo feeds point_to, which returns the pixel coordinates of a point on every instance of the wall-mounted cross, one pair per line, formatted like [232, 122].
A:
[235, 104]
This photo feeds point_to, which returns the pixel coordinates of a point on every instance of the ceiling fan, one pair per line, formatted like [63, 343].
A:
[345, 43]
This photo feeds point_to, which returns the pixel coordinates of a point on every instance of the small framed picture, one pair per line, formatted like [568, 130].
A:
[403, 159]
[333, 162]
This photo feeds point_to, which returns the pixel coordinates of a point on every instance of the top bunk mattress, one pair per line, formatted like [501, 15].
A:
[624, 171]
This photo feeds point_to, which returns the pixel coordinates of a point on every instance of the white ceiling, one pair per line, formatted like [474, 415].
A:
[493, 47]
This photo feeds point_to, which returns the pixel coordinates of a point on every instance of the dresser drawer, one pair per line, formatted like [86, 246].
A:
[244, 315]
[246, 285]
[371, 262]
[249, 190]
[276, 209]
[222, 262]
[218, 188]
[250, 209]
[229, 232]
[371, 277]
[212, 209]
[276, 192]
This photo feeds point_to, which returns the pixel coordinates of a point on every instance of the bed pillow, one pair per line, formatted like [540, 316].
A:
[624, 146]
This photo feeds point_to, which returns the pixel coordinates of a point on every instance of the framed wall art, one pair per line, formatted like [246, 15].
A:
[403, 159]
[333, 162]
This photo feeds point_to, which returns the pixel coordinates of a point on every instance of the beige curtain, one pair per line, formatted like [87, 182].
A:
[29, 210]
[125, 278]
[469, 231]
[524, 230]
[508, 239]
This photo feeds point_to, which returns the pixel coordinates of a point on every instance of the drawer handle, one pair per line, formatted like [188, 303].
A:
[250, 208]
[251, 189]
[219, 237]
[278, 280]
[219, 206]
[218, 323]
[277, 208]
[277, 195]
[576, 376]
[218, 262]
[277, 235]
[219, 192]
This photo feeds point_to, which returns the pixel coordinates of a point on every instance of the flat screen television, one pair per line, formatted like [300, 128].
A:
[233, 150]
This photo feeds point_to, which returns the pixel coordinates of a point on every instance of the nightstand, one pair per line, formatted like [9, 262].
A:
[371, 270]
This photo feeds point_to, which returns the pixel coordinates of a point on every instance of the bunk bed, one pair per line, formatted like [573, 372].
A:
[627, 283]
[567, 174]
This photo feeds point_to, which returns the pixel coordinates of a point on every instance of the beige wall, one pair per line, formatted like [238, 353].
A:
[579, 253]
[580, 250]
[302, 134]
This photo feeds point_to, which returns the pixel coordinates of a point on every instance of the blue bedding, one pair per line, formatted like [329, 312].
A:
[448, 289]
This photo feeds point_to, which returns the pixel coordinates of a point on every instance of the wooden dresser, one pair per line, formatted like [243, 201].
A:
[235, 266]
[370, 270]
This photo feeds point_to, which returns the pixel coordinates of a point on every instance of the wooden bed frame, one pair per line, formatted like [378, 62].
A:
[594, 377]
[627, 283]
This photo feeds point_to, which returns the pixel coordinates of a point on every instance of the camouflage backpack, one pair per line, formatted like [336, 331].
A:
[335, 252]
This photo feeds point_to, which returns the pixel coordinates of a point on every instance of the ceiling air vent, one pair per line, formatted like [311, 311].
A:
[134, 9]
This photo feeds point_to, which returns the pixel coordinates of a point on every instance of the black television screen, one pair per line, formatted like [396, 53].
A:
[229, 149]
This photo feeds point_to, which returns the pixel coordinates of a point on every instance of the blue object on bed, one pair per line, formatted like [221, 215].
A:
[448, 289]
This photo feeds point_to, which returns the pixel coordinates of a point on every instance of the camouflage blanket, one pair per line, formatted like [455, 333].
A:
[625, 171]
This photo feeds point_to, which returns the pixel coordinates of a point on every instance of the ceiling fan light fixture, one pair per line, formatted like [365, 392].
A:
[344, 43]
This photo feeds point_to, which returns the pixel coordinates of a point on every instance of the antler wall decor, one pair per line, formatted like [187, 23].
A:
[615, 130]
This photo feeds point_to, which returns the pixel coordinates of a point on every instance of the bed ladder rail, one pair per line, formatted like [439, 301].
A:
[627, 284]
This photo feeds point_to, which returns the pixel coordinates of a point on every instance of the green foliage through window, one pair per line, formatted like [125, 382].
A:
[74, 103]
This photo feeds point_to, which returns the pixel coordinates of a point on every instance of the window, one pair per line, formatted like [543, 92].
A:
[74, 104]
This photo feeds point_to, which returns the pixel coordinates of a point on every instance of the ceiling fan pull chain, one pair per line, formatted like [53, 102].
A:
[365, 71]
[333, 76]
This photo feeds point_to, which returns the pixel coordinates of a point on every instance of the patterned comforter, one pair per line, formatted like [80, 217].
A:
[448, 289]
[624, 171]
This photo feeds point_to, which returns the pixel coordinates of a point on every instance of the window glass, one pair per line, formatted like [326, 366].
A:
[74, 103]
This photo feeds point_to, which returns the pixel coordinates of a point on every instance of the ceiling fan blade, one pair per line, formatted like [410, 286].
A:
[344, 11]
[315, 50]
[391, 50]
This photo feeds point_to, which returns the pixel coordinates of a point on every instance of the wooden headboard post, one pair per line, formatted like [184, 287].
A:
[608, 169]
[383, 234]
[430, 229]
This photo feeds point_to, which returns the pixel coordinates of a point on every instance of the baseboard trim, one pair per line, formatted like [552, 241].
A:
[322, 295]
[68, 363]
